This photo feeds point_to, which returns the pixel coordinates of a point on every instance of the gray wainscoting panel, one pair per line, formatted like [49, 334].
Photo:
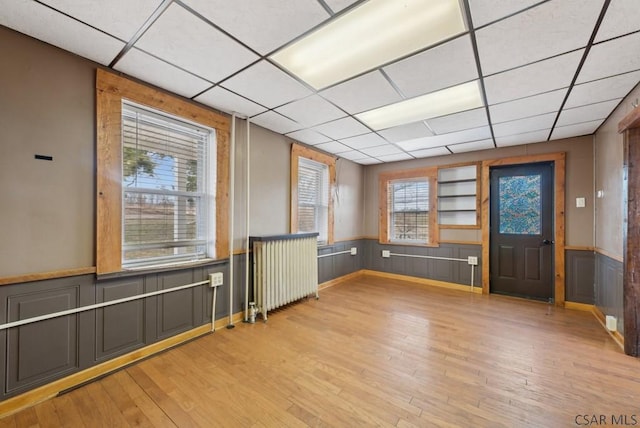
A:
[580, 276]
[182, 310]
[38, 353]
[608, 293]
[338, 265]
[440, 270]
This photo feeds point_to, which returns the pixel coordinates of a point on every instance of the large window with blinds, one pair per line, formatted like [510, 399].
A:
[168, 168]
[409, 210]
[313, 197]
[408, 207]
[313, 178]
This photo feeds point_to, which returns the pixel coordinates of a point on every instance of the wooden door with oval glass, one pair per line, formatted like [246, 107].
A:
[522, 230]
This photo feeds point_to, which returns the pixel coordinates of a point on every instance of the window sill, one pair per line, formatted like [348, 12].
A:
[411, 244]
[168, 267]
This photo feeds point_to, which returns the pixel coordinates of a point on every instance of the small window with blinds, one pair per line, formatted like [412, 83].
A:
[168, 178]
[313, 197]
[409, 210]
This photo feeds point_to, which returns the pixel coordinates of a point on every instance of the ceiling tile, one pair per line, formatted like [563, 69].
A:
[543, 76]
[529, 106]
[364, 141]
[427, 153]
[437, 68]
[603, 89]
[468, 135]
[225, 100]
[342, 128]
[308, 136]
[576, 130]
[181, 38]
[465, 136]
[406, 132]
[420, 143]
[333, 147]
[525, 138]
[262, 25]
[368, 161]
[587, 113]
[275, 122]
[337, 5]
[529, 124]
[396, 157]
[353, 155]
[311, 111]
[612, 57]
[472, 147]
[363, 93]
[485, 11]
[143, 66]
[550, 29]
[280, 89]
[120, 18]
[384, 150]
[621, 18]
[40, 22]
[459, 121]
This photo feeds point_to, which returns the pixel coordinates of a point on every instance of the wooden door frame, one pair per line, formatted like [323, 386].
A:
[629, 126]
[558, 160]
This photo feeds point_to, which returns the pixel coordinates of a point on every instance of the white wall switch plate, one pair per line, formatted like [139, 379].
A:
[217, 279]
[580, 202]
[354, 251]
[386, 254]
[472, 260]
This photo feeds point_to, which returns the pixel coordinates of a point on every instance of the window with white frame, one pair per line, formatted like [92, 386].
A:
[409, 210]
[313, 198]
[168, 188]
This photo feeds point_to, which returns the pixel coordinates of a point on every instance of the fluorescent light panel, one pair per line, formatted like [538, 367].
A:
[374, 33]
[440, 103]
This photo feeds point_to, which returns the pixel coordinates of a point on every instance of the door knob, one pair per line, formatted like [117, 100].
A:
[547, 242]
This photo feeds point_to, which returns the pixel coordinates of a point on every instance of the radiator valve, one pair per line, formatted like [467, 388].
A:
[252, 312]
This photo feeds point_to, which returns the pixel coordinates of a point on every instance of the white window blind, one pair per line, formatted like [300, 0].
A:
[313, 198]
[409, 210]
[166, 176]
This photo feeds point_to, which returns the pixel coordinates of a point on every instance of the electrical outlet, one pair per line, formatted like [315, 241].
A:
[217, 279]
[472, 260]
[354, 251]
[386, 254]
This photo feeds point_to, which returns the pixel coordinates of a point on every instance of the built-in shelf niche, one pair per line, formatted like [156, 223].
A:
[458, 196]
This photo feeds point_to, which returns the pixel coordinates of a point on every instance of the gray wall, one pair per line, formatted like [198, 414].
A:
[440, 270]
[46, 107]
[38, 353]
[580, 276]
[270, 190]
[609, 213]
[609, 295]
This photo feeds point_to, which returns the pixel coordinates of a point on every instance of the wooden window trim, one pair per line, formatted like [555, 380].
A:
[110, 90]
[431, 173]
[297, 151]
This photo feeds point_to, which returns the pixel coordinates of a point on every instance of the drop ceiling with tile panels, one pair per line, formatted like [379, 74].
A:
[545, 69]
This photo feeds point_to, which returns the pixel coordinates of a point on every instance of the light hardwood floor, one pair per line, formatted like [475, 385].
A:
[372, 352]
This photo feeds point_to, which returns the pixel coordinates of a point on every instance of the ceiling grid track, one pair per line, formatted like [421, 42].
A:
[474, 44]
[587, 49]
[148, 23]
